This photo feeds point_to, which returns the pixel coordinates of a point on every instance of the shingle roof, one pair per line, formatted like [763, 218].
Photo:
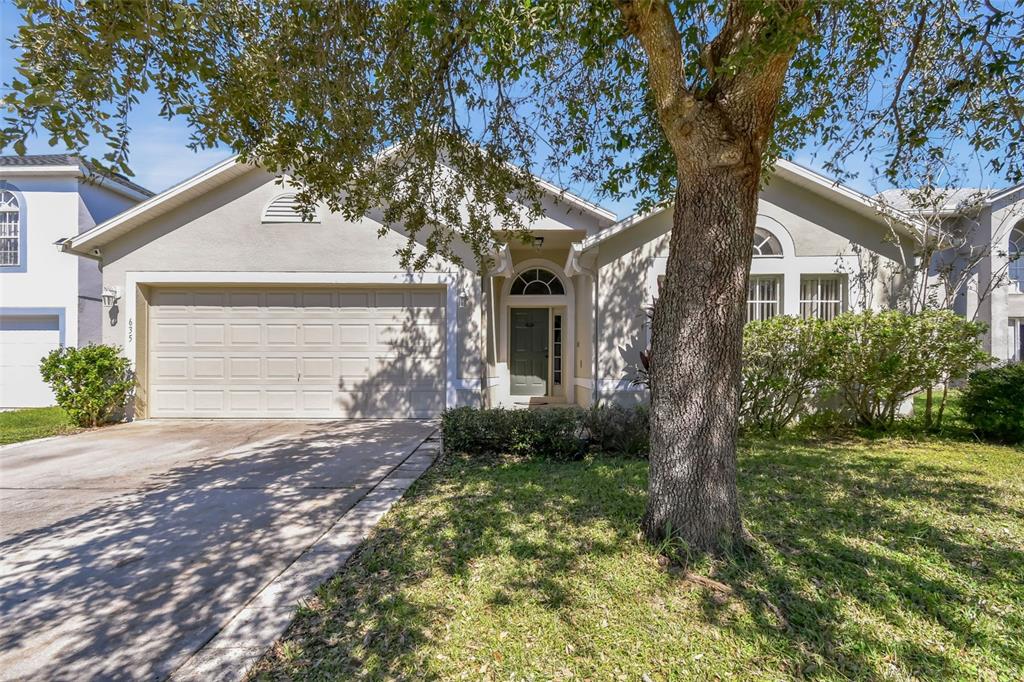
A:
[38, 160]
[949, 200]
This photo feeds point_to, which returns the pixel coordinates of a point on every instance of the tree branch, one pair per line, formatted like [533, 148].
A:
[652, 24]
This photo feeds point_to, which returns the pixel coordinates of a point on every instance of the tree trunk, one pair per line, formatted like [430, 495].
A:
[942, 404]
[696, 354]
[928, 409]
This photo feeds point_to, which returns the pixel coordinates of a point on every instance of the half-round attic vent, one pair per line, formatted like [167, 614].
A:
[284, 209]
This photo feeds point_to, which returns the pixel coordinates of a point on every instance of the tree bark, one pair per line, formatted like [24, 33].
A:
[718, 136]
[696, 359]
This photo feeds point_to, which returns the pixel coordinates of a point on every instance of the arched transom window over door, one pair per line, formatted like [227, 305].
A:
[766, 244]
[537, 282]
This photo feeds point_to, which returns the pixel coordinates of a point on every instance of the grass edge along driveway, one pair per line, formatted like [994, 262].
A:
[29, 423]
[874, 560]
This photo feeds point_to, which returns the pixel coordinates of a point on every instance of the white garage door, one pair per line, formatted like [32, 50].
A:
[302, 353]
[24, 340]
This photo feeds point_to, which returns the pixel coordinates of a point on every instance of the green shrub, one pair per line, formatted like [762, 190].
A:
[785, 362]
[881, 359]
[554, 433]
[618, 430]
[92, 384]
[993, 402]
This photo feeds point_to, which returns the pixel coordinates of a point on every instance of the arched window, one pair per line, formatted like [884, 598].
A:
[537, 282]
[1016, 254]
[10, 229]
[285, 209]
[765, 244]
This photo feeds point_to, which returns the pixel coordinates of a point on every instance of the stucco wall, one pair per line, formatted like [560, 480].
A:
[819, 238]
[221, 231]
[96, 204]
[49, 278]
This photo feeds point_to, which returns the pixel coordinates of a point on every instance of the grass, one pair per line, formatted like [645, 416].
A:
[34, 422]
[873, 560]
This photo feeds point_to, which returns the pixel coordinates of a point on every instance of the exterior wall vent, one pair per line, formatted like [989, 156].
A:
[285, 209]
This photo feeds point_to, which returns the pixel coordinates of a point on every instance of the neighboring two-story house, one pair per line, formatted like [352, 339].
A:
[46, 298]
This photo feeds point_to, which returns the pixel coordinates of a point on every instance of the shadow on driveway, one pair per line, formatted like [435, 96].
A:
[131, 587]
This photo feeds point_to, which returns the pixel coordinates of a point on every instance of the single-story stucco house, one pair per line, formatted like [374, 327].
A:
[230, 304]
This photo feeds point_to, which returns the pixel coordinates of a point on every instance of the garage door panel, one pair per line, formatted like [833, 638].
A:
[318, 334]
[212, 334]
[354, 334]
[243, 368]
[171, 334]
[244, 334]
[24, 341]
[297, 353]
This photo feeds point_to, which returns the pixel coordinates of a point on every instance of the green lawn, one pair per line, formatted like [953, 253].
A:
[35, 422]
[874, 560]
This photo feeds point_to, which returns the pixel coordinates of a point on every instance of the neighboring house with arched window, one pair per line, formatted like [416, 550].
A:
[237, 303]
[46, 298]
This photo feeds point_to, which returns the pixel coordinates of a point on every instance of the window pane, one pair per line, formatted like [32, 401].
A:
[537, 282]
[821, 297]
[762, 298]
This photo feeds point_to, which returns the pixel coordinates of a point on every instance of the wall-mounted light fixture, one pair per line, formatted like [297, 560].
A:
[110, 296]
[538, 242]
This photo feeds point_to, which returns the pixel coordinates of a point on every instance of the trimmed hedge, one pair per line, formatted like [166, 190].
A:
[993, 402]
[558, 433]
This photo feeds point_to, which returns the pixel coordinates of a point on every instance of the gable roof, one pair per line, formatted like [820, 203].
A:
[833, 190]
[60, 164]
[221, 173]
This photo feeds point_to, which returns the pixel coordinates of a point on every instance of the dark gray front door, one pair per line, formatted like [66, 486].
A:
[529, 351]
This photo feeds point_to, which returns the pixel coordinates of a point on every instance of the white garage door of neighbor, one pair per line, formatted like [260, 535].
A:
[24, 341]
[302, 353]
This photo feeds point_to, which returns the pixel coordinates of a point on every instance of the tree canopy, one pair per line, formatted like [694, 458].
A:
[472, 97]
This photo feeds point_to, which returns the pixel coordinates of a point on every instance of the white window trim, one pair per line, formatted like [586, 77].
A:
[841, 287]
[777, 280]
[566, 301]
[771, 237]
[1016, 339]
[1016, 245]
[789, 268]
[17, 236]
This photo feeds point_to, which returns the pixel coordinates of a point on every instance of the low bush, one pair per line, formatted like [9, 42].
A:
[92, 384]
[993, 402]
[554, 433]
[618, 430]
[785, 362]
[879, 360]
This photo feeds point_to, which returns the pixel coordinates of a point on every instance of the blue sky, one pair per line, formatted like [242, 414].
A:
[160, 155]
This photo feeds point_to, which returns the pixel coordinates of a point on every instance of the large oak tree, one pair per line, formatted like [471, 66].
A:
[687, 100]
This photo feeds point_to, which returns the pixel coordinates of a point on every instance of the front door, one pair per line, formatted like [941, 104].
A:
[529, 351]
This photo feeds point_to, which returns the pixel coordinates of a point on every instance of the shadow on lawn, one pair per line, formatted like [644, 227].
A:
[858, 559]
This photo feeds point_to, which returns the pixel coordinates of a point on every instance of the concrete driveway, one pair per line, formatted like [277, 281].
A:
[124, 550]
